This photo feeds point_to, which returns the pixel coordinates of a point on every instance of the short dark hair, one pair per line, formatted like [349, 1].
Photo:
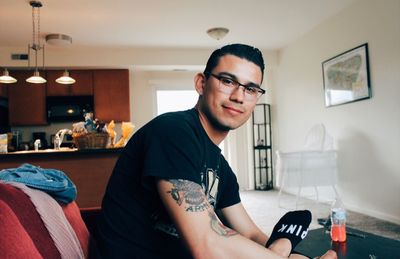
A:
[247, 52]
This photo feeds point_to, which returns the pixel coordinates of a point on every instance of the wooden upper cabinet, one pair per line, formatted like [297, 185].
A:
[84, 82]
[3, 90]
[82, 86]
[111, 95]
[26, 101]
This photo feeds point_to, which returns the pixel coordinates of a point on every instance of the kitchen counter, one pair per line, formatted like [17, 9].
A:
[41, 151]
[89, 169]
[62, 150]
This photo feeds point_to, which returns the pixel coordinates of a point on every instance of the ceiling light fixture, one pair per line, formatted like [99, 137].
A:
[36, 78]
[217, 32]
[65, 79]
[6, 78]
[57, 39]
[35, 47]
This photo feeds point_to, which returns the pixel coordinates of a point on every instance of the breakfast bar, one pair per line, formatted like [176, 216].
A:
[89, 169]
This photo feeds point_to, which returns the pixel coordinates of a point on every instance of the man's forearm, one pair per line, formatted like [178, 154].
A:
[234, 246]
[227, 243]
[260, 238]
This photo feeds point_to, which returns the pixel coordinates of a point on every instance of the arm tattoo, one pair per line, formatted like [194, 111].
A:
[219, 228]
[192, 194]
[189, 192]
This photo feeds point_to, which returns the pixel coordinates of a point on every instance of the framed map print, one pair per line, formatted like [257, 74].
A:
[346, 77]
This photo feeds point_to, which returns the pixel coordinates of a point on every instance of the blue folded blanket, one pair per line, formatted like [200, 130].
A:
[54, 182]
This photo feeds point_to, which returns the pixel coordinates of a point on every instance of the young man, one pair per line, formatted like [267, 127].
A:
[171, 180]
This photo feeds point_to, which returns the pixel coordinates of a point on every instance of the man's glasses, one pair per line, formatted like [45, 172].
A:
[251, 92]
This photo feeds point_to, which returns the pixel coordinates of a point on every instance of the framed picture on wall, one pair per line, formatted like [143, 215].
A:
[346, 77]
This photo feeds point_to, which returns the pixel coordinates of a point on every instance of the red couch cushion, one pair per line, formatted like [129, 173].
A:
[15, 242]
[29, 220]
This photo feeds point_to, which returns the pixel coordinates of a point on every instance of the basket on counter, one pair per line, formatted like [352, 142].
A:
[91, 141]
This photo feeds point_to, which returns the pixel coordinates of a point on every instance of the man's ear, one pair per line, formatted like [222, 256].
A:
[199, 83]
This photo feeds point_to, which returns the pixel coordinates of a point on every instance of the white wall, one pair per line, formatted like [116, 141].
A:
[367, 132]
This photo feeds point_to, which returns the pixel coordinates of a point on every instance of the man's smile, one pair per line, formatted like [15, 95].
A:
[232, 109]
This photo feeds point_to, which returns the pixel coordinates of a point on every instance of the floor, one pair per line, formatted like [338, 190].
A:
[263, 208]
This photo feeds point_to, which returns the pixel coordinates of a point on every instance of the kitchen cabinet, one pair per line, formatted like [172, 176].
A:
[26, 101]
[3, 108]
[111, 95]
[109, 88]
[3, 90]
[82, 86]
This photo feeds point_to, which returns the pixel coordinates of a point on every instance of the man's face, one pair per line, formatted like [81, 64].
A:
[226, 111]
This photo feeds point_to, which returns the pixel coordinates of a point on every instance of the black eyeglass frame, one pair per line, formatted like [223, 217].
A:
[235, 82]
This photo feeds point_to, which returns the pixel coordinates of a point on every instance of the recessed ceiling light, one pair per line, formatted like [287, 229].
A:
[57, 39]
[217, 32]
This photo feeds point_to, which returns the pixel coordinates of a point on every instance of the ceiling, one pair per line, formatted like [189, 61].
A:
[267, 24]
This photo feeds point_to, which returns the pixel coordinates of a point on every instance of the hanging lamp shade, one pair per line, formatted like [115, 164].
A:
[6, 78]
[65, 79]
[36, 78]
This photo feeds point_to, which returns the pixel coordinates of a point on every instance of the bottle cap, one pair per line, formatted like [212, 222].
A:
[339, 214]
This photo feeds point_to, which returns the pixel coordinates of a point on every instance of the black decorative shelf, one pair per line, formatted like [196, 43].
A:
[262, 147]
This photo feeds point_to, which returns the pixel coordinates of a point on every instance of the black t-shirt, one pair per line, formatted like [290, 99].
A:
[134, 222]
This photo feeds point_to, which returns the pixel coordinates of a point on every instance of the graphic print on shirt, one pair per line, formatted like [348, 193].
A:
[210, 182]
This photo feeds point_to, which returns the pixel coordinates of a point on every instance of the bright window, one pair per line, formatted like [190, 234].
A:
[175, 100]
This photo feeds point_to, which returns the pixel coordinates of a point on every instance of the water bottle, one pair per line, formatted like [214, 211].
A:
[338, 219]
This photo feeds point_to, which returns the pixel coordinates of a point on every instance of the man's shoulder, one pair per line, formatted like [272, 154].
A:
[187, 115]
[175, 120]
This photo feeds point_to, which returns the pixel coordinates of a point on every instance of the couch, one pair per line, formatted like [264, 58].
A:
[24, 235]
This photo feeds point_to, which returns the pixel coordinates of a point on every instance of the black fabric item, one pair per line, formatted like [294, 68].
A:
[134, 222]
[293, 226]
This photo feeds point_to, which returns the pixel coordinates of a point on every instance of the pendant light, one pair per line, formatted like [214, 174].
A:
[6, 78]
[35, 47]
[65, 79]
[36, 78]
